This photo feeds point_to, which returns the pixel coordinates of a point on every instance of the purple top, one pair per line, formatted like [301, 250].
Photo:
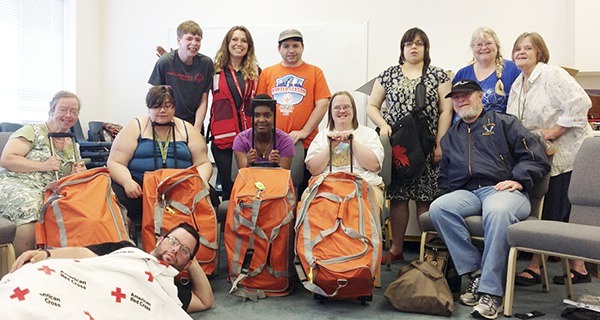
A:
[285, 144]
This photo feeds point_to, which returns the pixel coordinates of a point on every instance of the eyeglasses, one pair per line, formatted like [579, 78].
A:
[63, 111]
[418, 43]
[480, 45]
[167, 105]
[182, 247]
[341, 108]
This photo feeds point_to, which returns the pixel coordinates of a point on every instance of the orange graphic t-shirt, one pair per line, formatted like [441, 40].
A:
[296, 91]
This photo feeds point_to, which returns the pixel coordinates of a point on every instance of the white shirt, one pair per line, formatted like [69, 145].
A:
[553, 97]
[341, 154]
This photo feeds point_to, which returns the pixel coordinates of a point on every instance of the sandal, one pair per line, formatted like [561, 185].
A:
[394, 257]
[524, 281]
[577, 278]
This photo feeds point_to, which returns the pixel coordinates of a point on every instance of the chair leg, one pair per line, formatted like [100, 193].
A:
[7, 255]
[510, 281]
[388, 241]
[422, 246]
[568, 281]
[544, 274]
[378, 278]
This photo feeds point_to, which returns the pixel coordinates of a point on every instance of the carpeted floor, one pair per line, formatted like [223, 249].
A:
[301, 305]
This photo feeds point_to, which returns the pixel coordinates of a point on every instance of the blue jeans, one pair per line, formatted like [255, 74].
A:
[499, 210]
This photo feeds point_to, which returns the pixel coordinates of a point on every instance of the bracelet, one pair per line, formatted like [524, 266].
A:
[48, 255]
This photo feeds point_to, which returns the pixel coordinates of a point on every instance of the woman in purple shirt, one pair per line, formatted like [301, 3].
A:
[263, 151]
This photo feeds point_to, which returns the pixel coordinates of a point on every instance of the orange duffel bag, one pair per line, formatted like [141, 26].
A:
[79, 210]
[174, 196]
[259, 233]
[338, 237]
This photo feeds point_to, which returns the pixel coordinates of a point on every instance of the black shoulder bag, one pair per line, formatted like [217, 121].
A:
[411, 140]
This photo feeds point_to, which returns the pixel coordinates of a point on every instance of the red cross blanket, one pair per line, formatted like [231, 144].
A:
[126, 284]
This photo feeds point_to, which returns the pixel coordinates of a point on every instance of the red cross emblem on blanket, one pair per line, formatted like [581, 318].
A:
[46, 270]
[118, 295]
[19, 294]
[150, 276]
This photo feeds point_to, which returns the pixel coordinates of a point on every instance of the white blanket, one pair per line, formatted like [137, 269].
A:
[126, 284]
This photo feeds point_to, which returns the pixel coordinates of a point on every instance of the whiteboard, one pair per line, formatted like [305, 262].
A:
[340, 50]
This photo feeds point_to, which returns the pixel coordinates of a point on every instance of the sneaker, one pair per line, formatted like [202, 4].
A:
[488, 307]
[471, 297]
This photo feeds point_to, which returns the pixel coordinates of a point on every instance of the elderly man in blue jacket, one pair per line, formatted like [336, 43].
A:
[489, 162]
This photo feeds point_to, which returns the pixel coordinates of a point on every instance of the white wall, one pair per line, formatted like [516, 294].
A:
[116, 38]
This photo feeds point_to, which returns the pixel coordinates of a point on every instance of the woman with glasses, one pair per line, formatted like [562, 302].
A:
[154, 141]
[397, 87]
[494, 74]
[550, 102]
[342, 125]
[27, 166]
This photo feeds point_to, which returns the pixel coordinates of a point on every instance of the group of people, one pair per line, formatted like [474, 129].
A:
[487, 125]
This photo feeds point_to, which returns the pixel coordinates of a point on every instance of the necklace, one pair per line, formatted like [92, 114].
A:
[264, 150]
[163, 146]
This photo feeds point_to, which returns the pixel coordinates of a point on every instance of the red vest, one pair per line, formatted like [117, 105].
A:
[226, 121]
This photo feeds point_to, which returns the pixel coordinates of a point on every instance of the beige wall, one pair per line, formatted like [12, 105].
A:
[116, 38]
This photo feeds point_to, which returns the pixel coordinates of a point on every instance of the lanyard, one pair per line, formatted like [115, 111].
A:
[235, 80]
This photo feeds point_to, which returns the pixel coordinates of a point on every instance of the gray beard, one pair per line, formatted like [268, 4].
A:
[468, 114]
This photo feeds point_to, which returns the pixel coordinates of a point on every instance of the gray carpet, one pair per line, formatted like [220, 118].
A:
[301, 305]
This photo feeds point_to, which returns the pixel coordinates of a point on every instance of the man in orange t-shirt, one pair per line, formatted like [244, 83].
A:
[300, 89]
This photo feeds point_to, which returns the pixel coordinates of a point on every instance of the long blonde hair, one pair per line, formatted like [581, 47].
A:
[249, 62]
[499, 62]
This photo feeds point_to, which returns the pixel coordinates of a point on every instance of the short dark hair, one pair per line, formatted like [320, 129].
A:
[191, 230]
[410, 35]
[263, 96]
[158, 94]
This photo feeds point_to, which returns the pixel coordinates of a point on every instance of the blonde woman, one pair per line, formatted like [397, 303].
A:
[494, 74]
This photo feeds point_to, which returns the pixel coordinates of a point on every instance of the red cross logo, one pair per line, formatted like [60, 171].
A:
[150, 276]
[46, 270]
[19, 294]
[89, 315]
[118, 295]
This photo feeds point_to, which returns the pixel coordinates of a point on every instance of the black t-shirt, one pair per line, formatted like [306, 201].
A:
[184, 288]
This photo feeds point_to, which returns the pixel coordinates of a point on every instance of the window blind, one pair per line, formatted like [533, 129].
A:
[33, 56]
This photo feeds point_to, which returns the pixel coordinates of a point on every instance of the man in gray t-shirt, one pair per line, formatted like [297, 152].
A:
[188, 72]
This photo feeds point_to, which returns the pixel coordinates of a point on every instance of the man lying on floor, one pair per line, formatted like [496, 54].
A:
[109, 281]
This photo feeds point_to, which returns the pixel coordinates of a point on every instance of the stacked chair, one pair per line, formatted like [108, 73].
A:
[95, 150]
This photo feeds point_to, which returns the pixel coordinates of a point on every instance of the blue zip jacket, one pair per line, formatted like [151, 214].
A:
[494, 148]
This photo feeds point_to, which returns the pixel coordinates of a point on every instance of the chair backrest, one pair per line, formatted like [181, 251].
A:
[536, 196]
[386, 169]
[3, 140]
[95, 131]
[78, 132]
[9, 126]
[584, 190]
[297, 165]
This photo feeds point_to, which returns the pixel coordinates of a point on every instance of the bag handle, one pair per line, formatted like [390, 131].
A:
[420, 92]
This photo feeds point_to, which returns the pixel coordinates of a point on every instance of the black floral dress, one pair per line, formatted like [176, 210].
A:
[400, 100]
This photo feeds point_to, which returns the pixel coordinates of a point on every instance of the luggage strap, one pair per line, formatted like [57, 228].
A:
[307, 280]
[244, 270]
[163, 203]
[60, 222]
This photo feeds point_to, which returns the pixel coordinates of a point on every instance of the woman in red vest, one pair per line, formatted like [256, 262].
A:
[234, 86]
